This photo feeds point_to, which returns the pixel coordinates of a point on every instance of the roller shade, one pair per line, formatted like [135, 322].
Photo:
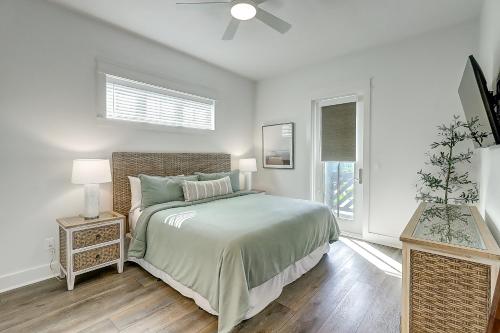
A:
[141, 102]
[338, 132]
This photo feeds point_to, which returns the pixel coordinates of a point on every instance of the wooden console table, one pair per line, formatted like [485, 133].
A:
[450, 268]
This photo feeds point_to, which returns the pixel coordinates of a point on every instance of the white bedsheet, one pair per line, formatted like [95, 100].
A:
[260, 296]
[133, 217]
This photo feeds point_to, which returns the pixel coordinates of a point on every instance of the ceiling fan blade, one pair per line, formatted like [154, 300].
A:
[258, 2]
[231, 29]
[202, 3]
[274, 22]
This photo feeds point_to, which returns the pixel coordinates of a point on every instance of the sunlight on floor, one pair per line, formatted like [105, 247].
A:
[385, 263]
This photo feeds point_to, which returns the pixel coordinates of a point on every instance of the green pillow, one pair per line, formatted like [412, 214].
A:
[234, 176]
[156, 190]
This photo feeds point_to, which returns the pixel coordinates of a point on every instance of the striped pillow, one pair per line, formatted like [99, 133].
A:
[206, 189]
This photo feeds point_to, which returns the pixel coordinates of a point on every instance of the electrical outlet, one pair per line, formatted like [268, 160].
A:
[49, 244]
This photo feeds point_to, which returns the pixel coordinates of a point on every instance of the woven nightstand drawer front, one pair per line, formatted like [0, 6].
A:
[89, 237]
[448, 294]
[91, 258]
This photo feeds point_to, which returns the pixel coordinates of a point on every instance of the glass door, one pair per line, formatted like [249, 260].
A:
[339, 189]
[338, 160]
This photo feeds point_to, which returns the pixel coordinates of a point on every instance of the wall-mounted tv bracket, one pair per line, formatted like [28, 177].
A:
[495, 100]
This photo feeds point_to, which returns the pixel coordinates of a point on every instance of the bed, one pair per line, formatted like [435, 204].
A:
[231, 254]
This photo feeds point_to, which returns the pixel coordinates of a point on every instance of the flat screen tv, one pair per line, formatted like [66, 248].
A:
[479, 103]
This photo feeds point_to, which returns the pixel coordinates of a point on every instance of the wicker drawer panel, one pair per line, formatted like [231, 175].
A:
[62, 247]
[448, 295]
[89, 237]
[91, 258]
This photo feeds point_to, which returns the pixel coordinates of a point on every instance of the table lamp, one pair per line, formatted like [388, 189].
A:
[91, 173]
[247, 166]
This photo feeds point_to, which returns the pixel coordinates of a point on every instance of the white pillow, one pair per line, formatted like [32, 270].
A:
[206, 189]
[136, 193]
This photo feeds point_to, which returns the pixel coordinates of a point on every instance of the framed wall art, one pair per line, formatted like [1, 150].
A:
[278, 146]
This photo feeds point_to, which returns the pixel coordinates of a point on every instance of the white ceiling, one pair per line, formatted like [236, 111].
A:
[322, 29]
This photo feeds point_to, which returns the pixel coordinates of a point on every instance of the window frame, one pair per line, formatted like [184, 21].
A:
[152, 82]
[363, 91]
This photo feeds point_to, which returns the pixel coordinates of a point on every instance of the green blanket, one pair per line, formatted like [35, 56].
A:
[223, 248]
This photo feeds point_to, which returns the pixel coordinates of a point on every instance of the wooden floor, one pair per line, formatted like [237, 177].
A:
[345, 292]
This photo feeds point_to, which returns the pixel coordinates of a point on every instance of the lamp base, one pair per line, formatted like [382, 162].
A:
[91, 210]
[248, 181]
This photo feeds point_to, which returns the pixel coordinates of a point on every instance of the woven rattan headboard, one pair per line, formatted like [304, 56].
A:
[159, 164]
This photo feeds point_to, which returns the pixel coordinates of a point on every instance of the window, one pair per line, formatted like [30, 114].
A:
[144, 103]
[339, 188]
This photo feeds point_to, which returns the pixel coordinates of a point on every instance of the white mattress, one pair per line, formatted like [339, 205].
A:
[133, 217]
[260, 296]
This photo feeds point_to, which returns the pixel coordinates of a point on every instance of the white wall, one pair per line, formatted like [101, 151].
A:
[489, 59]
[48, 118]
[415, 89]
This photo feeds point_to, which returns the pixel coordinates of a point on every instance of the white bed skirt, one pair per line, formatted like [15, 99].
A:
[260, 296]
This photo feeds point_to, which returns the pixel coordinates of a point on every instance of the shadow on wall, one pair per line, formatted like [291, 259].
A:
[493, 228]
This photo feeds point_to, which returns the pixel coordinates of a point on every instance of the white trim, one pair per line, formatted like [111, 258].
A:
[350, 98]
[108, 263]
[466, 256]
[121, 261]
[360, 92]
[351, 235]
[153, 127]
[104, 66]
[84, 249]
[375, 238]
[26, 277]
[96, 225]
[383, 240]
[40, 273]
[70, 278]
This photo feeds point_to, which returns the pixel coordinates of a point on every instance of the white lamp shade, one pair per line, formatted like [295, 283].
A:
[91, 171]
[248, 165]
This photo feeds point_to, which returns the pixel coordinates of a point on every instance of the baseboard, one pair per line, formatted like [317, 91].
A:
[351, 235]
[383, 240]
[39, 273]
[25, 277]
[375, 238]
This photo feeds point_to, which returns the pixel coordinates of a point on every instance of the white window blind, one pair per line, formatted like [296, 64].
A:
[144, 103]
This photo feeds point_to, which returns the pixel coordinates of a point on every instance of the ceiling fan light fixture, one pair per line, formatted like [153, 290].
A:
[243, 11]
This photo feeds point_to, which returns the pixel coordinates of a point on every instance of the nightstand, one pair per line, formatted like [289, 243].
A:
[86, 245]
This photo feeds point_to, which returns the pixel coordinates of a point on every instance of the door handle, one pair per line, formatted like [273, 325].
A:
[359, 179]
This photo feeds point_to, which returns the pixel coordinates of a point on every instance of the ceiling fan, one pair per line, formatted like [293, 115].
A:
[243, 10]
